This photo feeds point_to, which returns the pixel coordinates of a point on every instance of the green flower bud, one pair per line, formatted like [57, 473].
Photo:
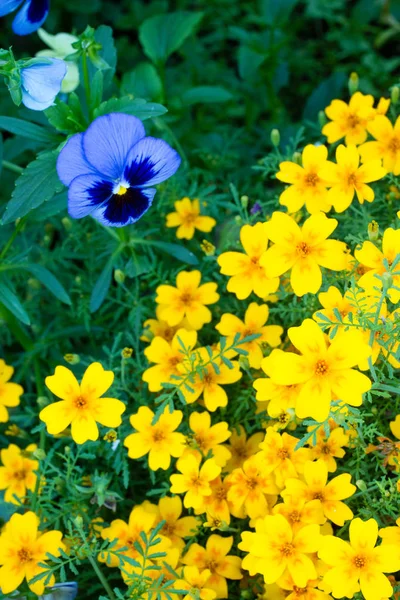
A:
[244, 200]
[395, 93]
[387, 280]
[360, 483]
[275, 137]
[353, 83]
[322, 120]
[39, 454]
[119, 276]
[42, 401]
[72, 359]
[373, 231]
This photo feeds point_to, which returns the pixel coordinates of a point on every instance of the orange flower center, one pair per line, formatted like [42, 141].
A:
[303, 249]
[80, 402]
[212, 565]
[325, 449]
[200, 441]
[25, 555]
[359, 561]
[294, 516]
[287, 549]
[20, 475]
[352, 179]
[299, 591]
[208, 378]
[252, 483]
[283, 418]
[158, 435]
[311, 179]
[186, 298]
[394, 145]
[189, 218]
[173, 361]
[168, 529]
[283, 453]
[321, 368]
[353, 121]
[221, 493]
[318, 496]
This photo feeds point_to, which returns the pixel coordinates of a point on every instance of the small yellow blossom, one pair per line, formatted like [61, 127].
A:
[327, 448]
[348, 178]
[386, 146]
[187, 218]
[160, 441]
[23, 550]
[194, 481]
[196, 584]
[307, 185]
[208, 438]
[17, 475]
[303, 251]
[81, 405]
[9, 392]
[254, 323]
[279, 456]
[176, 527]
[349, 120]
[247, 274]
[188, 299]
[208, 248]
[242, 447]
[358, 564]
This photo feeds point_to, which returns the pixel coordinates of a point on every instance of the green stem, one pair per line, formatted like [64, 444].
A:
[12, 167]
[86, 83]
[14, 234]
[101, 577]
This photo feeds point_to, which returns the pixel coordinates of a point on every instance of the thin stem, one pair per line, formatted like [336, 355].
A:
[14, 234]
[86, 82]
[12, 167]
[101, 577]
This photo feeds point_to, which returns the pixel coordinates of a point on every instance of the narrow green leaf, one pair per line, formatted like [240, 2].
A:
[10, 301]
[49, 281]
[101, 287]
[27, 130]
[206, 94]
[179, 252]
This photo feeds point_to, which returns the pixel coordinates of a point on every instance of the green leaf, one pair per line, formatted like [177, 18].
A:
[101, 287]
[67, 118]
[322, 95]
[177, 251]
[142, 82]
[10, 301]
[162, 35]
[206, 93]
[104, 36]
[137, 265]
[1, 152]
[96, 89]
[37, 184]
[277, 11]
[249, 61]
[56, 205]
[131, 106]
[49, 281]
[27, 130]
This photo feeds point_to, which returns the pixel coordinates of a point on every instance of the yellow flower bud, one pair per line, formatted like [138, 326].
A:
[208, 248]
[373, 231]
[127, 352]
[72, 359]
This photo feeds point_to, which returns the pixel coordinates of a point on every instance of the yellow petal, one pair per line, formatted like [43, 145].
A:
[63, 383]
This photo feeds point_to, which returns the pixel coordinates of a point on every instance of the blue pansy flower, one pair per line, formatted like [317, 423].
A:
[31, 16]
[41, 82]
[111, 170]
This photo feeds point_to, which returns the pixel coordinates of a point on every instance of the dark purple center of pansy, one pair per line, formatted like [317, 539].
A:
[37, 10]
[121, 208]
[138, 173]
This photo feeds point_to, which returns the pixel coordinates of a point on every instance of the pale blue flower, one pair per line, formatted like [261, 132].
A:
[41, 82]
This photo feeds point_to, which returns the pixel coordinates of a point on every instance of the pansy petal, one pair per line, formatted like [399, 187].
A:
[8, 6]
[31, 16]
[86, 193]
[43, 80]
[108, 140]
[71, 161]
[119, 211]
[149, 162]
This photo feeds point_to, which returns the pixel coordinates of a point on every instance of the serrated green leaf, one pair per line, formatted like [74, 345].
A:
[162, 35]
[37, 184]
[28, 130]
[131, 106]
[57, 204]
[64, 118]
[10, 301]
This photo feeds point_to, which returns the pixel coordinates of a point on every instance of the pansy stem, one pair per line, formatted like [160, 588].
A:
[101, 577]
[86, 83]
[12, 167]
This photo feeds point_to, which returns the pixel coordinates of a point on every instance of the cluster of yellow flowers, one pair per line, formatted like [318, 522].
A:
[280, 493]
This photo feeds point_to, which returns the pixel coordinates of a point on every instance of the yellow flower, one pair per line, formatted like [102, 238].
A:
[160, 441]
[82, 406]
[241, 447]
[187, 218]
[17, 476]
[349, 120]
[316, 487]
[255, 319]
[188, 299]
[245, 270]
[278, 456]
[308, 187]
[274, 550]
[300, 512]
[333, 299]
[158, 328]
[347, 178]
[359, 565]
[386, 145]
[308, 592]
[209, 382]
[303, 251]
[216, 506]
[216, 559]
[391, 535]
[9, 392]
[167, 356]
[249, 489]
[371, 257]
[194, 481]
[324, 370]
[280, 398]
[208, 438]
[127, 534]
[395, 427]
[329, 448]
[23, 549]
[176, 527]
[196, 584]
